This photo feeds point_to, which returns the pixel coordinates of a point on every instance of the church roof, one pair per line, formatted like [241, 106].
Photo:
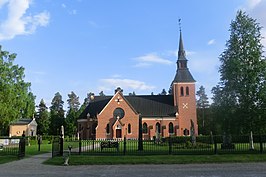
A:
[146, 105]
[183, 75]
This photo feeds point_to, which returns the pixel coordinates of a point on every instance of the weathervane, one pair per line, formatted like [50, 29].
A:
[179, 23]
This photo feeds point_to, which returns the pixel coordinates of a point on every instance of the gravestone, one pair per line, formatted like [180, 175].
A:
[227, 142]
[192, 131]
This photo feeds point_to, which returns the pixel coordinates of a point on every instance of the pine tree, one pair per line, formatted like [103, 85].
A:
[72, 114]
[57, 114]
[42, 119]
[202, 104]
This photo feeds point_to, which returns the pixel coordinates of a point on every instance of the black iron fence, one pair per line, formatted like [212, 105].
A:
[171, 145]
[12, 146]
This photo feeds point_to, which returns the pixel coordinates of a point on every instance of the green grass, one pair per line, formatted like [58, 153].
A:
[33, 149]
[158, 159]
[7, 158]
[30, 151]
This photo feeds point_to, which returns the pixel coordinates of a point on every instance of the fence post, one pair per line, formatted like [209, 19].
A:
[140, 142]
[61, 143]
[79, 146]
[170, 145]
[93, 145]
[125, 146]
[22, 146]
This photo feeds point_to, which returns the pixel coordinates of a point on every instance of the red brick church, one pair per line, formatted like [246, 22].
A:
[120, 116]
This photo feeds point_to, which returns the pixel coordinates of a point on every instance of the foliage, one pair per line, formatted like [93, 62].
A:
[132, 94]
[163, 92]
[101, 93]
[42, 118]
[16, 100]
[57, 114]
[202, 105]
[239, 99]
[72, 114]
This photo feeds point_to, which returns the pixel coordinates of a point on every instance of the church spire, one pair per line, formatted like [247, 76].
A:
[181, 51]
[182, 73]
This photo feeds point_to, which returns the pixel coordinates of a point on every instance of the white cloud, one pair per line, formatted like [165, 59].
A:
[17, 22]
[93, 24]
[151, 58]
[211, 42]
[257, 9]
[251, 4]
[63, 5]
[112, 83]
[142, 65]
[116, 76]
[73, 12]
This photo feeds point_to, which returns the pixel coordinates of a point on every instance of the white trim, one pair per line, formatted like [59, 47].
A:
[160, 118]
[109, 103]
[82, 120]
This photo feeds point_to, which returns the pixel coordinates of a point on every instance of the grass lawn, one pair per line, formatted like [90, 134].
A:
[158, 159]
[30, 151]
[33, 149]
[7, 158]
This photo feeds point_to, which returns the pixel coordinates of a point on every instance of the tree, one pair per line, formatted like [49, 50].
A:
[101, 93]
[42, 118]
[163, 92]
[86, 102]
[202, 104]
[132, 94]
[72, 114]
[243, 78]
[16, 100]
[57, 114]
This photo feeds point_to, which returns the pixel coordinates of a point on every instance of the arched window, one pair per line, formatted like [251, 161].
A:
[181, 91]
[187, 91]
[158, 127]
[107, 128]
[129, 128]
[171, 127]
[145, 128]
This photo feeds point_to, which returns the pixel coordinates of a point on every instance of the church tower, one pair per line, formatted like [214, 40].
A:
[183, 90]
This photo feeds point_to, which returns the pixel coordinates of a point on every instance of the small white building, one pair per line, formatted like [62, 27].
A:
[27, 125]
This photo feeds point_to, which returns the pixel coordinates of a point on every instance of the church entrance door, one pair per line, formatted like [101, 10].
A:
[118, 133]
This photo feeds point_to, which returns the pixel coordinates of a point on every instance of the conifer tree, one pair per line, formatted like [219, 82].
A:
[42, 119]
[72, 114]
[57, 114]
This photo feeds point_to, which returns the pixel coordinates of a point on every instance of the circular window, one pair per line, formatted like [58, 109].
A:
[119, 113]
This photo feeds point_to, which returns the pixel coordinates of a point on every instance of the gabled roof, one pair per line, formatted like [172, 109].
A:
[22, 122]
[153, 105]
[146, 105]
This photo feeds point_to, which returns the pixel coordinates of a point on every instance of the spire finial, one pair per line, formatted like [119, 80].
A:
[179, 23]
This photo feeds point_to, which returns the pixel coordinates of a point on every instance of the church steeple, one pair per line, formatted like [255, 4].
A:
[182, 73]
[181, 51]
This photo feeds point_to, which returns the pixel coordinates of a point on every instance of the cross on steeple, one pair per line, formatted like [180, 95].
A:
[118, 100]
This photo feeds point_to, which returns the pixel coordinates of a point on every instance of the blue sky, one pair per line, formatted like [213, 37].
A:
[93, 45]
